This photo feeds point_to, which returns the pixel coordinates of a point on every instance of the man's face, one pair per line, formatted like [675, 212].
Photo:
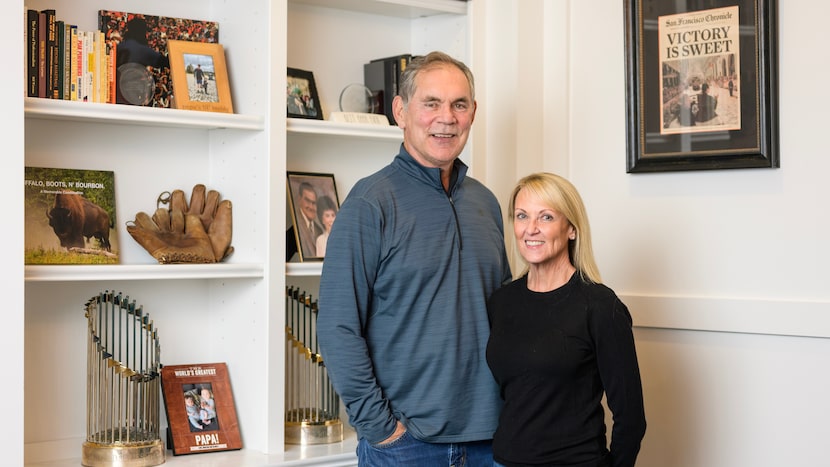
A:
[308, 203]
[436, 122]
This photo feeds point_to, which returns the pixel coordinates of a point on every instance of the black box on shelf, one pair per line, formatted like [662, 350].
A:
[382, 76]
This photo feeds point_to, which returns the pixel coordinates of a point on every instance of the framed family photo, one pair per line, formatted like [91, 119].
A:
[313, 205]
[701, 89]
[201, 414]
[301, 99]
[200, 76]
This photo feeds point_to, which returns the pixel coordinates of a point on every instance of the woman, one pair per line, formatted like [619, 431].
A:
[326, 213]
[561, 339]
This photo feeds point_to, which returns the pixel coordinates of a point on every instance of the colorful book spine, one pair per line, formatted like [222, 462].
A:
[32, 52]
[52, 89]
[73, 63]
[42, 60]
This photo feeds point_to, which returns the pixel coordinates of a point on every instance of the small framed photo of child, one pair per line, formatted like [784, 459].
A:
[201, 415]
[314, 206]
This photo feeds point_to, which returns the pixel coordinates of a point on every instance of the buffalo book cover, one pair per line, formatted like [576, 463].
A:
[140, 43]
[201, 415]
[70, 216]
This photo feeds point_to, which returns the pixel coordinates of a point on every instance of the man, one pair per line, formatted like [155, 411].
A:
[307, 224]
[199, 75]
[707, 104]
[416, 250]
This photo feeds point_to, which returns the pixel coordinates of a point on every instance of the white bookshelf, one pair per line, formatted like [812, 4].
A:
[233, 311]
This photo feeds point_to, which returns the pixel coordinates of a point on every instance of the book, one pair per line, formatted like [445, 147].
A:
[51, 54]
[73, 64]
[375, 79]
[142, 39]
[66, 68]
[382, 76]
[69, 216]
[198, 402]
[42, 58]
[32, 52]
[60, 46]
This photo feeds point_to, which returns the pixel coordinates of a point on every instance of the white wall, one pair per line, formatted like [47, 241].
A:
[723, 270]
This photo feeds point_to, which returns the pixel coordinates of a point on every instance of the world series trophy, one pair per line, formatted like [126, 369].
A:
[312, 408]
[123, 391]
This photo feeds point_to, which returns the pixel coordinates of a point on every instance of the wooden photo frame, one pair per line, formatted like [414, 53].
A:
[701, 89]
[200, 76]
[301, 99]
[195, 424]
[313, 205]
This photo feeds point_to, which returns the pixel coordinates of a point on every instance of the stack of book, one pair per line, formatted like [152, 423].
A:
[382, 76]
[63, 62]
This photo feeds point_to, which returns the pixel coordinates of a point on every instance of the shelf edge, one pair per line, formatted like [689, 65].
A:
[117, 272]
[136, 115]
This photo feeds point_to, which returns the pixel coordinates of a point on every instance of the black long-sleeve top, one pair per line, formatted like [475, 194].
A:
[553, 355]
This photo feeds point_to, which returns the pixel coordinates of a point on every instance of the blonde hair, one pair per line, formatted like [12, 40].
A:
[558, 193]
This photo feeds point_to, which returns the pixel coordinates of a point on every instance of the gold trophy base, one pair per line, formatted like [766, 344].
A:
[121, 455]
[305, 433]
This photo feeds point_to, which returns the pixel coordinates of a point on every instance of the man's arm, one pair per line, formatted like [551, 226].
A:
[345, 302]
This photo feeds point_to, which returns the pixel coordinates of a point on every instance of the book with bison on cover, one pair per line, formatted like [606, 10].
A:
[70, 216]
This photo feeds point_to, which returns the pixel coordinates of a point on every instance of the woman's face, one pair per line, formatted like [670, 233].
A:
[542, 233]
[328, 218]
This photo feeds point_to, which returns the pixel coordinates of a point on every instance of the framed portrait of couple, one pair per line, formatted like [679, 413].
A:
[313, 205]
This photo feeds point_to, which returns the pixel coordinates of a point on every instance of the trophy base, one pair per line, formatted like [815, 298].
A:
[140, 455]
[306, 433]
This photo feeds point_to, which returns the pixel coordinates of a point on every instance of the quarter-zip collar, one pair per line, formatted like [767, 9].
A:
[430, 175]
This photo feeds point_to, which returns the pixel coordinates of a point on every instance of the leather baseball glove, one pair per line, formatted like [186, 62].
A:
[198, 233]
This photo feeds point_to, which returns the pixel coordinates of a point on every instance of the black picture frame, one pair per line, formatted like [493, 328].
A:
[301, 99]
[325, 189]
[703, 42]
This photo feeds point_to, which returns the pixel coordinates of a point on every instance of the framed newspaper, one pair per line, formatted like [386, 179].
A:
[701, 89]
[198, 402]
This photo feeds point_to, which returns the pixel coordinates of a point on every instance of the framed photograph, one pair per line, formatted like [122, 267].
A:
[201, 414]
[200, 77]
[301, 100]
[313, 206]
[701, 88]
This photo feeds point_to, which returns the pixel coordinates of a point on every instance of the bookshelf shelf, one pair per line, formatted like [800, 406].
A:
[91, 112]
[398, 8]
[349, 130]
[53, 273]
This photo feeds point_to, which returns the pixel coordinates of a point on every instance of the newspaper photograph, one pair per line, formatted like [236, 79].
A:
[700, 71]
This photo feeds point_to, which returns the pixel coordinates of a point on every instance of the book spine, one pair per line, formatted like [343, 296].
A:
[52, 54]
[60, 45]
[42, 58]
[32, 51]
[104, 67]
[73, 63]
[85, 67]
[79, 65]
[96, 70]
[111, 72]
[67, 62]
[90, 65]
